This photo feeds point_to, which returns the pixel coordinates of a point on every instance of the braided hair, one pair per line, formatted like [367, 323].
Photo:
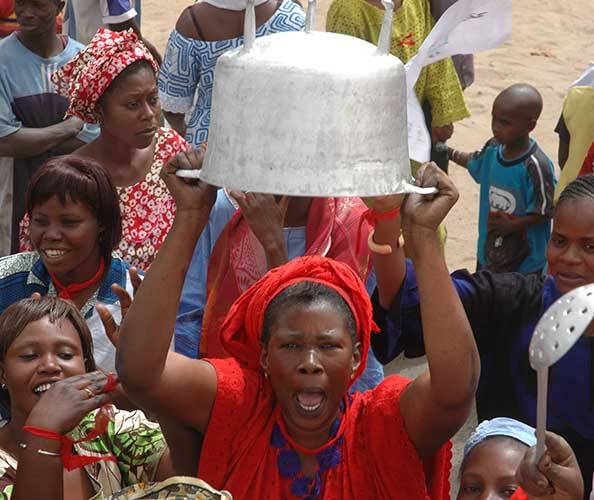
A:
[581, 187]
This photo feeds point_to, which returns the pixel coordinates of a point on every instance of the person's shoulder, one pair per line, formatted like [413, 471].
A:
[17, 263]
[171, 137]
[538, 164]
[8, 47]
[383, 396]
[73, 47]
[344, 7]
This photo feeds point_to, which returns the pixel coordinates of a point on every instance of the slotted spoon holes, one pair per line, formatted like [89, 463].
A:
[567, 311]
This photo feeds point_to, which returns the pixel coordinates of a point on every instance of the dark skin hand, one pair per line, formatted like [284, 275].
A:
[557, 475]
[505, 224]
[266, 218]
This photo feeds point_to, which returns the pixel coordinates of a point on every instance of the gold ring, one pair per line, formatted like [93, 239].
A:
[89, 392]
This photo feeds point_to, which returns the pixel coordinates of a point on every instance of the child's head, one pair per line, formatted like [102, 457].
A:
[515, 113]
[492, 455]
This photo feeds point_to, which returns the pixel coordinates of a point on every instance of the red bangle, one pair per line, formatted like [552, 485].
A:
[43, 433]
[373, 215]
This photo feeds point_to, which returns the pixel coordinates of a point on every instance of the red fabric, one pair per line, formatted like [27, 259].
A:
[238, 259]
[242, 328]
[519, 495]
[378, 458]
[67, 291]
[69, 459]
[588, 165]
[84, 79]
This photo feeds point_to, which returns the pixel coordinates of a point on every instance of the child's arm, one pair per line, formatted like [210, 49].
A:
[459, 157]
[505, 224]
[438, 402]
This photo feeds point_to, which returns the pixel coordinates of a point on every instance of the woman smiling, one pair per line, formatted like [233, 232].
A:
[113, 81]
[49, 381]
[75, 226]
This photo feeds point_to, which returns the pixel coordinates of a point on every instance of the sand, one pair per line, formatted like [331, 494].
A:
[550, 47]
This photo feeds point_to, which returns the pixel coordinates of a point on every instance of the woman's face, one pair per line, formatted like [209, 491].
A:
[41, 355]
[131, 111]
[66, 237]
[310, 359]
[570, 253]
[490, 470]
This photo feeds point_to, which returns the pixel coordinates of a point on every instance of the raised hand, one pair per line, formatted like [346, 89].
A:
[66, 402]
[112, 329]
[428, 211]
[264, 215]
[191, 195]
[557, 475]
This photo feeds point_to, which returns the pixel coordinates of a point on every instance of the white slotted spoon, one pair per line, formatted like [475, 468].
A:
[557, 331]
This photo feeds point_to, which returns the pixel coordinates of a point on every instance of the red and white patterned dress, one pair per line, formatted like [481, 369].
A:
[148, 208]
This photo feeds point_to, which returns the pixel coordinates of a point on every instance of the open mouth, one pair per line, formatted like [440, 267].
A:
[42, 388]
[54, 253]
[310, 401]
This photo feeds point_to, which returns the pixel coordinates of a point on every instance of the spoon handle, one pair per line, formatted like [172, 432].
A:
[542, 375]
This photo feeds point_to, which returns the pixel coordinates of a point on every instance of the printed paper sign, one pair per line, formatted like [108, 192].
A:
[467, 27]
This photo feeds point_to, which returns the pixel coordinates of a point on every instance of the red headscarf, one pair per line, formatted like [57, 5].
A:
[84, 79]
[334, 229]
[242, 329]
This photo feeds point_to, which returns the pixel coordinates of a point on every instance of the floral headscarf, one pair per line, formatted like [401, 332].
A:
[86, 77]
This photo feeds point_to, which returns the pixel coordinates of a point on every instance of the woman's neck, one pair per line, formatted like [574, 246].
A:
[311, 439]
[125, 164]
[45, 45]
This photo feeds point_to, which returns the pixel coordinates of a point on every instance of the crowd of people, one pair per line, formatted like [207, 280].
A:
[164, 338]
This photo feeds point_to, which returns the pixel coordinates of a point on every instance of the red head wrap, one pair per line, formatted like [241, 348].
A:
[242, 329]
[84, 79]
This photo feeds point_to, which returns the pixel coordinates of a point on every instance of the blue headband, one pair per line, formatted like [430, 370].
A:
[501, 426]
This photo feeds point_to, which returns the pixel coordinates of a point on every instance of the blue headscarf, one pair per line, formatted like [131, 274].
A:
[501, 426]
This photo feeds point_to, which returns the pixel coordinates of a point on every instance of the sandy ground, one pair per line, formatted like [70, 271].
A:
[550, 47]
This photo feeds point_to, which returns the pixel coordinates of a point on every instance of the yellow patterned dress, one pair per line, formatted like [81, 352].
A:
[438, 83]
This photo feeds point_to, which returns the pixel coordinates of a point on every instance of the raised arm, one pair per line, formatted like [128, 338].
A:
[438, 402]
[155, 378]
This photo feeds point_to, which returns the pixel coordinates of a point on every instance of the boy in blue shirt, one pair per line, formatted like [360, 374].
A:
[517, 185]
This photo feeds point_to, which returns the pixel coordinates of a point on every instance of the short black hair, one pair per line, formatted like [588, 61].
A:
[306, 293]
[581, 187]
[82, 180]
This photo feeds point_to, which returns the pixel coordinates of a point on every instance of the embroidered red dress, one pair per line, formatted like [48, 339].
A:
[378, 458]
[148, 209]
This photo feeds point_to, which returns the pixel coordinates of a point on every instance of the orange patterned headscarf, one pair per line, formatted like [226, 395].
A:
[85, 79]
[242, 329]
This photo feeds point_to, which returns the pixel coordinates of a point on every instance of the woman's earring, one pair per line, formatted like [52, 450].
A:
[266, 375]
[3, 385]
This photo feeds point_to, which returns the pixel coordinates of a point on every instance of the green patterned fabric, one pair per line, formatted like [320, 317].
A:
[175, 488]
[135, 442]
